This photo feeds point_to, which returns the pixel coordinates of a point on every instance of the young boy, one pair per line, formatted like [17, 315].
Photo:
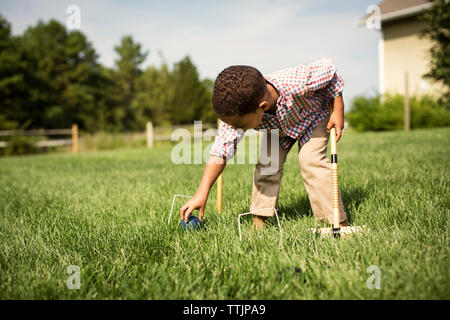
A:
[296, 101]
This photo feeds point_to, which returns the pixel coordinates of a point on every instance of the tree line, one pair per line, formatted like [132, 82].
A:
[50, 77]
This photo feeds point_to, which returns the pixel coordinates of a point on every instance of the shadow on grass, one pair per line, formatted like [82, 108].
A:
[299, 208]
[353, 198]
[296, 209]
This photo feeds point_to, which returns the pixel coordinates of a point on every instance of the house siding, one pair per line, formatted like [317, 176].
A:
[404, 51]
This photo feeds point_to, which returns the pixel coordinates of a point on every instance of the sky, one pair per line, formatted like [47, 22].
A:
[269, 35]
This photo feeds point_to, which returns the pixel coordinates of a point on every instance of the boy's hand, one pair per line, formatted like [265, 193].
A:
[213, 169]
[197, 202]
[337, 117]
[337, 121]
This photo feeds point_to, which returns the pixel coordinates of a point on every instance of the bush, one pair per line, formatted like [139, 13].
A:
[387, 114]
[20, 145]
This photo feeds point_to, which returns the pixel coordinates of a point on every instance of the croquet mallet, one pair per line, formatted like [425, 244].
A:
[336, 230]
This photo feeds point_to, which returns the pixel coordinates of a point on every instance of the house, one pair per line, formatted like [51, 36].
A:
[402, 53]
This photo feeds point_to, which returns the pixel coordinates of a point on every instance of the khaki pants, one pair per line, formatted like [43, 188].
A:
[316, 174]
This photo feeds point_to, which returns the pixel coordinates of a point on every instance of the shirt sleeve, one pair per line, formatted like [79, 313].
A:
[322, 74]
[335, 86]
[225, 143]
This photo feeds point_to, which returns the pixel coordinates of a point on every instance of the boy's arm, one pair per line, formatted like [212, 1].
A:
[337, 116]
[224, 148]
[333, 86]
[323, 75]
[213, 169]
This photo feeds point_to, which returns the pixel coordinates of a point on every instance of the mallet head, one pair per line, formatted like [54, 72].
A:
[338, 232]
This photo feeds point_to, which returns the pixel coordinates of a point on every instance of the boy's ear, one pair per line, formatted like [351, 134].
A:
[264, 105]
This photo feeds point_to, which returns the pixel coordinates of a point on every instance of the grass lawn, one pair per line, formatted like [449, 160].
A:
[107, 212]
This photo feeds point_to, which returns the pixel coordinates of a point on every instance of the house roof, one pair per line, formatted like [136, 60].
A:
[397, 9]
[389, 6]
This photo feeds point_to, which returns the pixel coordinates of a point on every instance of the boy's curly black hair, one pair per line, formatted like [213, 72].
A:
[238, 90]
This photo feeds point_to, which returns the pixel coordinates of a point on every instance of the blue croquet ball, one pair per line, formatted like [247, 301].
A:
[192, 224]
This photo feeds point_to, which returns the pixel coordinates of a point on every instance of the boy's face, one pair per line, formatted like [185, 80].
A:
[245, 122]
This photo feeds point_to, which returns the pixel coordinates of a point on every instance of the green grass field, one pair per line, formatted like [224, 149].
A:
[107, 212]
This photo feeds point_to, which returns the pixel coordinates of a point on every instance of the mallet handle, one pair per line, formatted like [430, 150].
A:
[334, 179]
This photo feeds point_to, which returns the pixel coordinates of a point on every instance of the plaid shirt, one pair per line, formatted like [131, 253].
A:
[305, 92]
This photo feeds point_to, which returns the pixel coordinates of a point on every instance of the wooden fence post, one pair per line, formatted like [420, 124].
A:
[74, 138]
[149, 127]
[406, 108]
